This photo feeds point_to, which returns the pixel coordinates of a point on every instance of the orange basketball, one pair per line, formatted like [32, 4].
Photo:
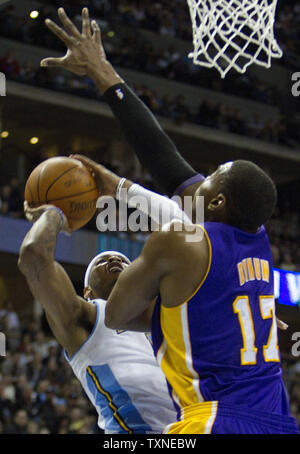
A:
[66, 183]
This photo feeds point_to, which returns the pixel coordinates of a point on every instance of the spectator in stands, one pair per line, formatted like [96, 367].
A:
[19, 425]
[11, 201]
[9, 65]
[11, 315]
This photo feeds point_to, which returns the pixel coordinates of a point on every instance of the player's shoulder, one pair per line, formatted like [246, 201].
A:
[177, 232]
[178, 239]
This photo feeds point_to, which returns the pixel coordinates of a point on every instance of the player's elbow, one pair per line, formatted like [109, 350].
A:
[30, 254]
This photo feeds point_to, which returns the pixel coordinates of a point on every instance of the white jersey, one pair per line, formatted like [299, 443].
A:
[120, 375]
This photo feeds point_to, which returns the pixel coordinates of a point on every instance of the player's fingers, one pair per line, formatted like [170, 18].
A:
[88, 163]
[27, 212]
[52, 61]
[59, 32]
[68, 24]
[83, 159]
[27, 208]
[281, 324]
[96, 32]
[86, 24]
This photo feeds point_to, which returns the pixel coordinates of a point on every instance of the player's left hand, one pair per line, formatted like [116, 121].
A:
[33, 214]
[83, 48]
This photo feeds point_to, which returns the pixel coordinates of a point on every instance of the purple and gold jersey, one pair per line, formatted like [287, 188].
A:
[220, 346]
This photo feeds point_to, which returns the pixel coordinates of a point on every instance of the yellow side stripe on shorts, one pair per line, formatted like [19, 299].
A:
[211, 419]
[117, 417]
[195, 419]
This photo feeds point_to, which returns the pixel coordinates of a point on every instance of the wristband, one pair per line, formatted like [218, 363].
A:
[119, 187]
[59, 211]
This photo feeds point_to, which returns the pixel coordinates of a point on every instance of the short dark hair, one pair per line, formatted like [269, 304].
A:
[250, 193]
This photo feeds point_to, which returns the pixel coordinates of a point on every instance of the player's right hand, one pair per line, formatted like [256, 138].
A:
[33, 214]
[105, 179]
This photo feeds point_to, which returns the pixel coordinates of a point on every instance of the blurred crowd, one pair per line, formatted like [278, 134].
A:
[39, 393]
[11, 199]
[132, 50]
[284, 234]
[173, 19]
[287, 30]
[214, 115]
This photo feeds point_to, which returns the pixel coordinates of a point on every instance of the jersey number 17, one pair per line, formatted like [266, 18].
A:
[241, 307]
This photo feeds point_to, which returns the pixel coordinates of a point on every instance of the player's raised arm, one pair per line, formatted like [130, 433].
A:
[47, 280]
[155, 150]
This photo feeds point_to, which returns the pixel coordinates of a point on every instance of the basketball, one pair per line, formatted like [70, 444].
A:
[67, 184]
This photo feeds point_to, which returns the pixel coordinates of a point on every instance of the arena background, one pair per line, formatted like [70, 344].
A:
[50, 112]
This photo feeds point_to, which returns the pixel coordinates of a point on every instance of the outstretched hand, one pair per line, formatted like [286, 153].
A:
[85, 54]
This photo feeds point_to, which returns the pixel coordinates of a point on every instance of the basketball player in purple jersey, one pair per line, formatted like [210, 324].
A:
[213, 325]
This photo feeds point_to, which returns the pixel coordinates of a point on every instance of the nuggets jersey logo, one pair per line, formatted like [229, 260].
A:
[221, 344]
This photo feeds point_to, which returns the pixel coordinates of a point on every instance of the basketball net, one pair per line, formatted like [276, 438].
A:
[233, 33]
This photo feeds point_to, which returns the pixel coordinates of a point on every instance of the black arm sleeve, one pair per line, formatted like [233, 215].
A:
[154, 149]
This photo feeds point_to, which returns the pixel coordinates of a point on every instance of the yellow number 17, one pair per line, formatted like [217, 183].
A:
[241, 307]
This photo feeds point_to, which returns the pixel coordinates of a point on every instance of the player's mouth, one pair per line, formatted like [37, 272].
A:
[114, 267]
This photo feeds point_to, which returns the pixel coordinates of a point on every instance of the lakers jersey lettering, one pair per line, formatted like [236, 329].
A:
[253, 268]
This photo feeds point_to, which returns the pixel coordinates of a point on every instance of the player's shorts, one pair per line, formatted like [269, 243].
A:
[216, 418]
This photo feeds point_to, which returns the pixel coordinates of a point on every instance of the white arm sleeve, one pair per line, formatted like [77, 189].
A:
[159, 208]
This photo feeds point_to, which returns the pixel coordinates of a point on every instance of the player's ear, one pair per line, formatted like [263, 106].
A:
[88, 293]
[217, 203]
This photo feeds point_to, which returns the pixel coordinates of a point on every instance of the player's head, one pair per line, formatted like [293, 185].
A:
[238, 193]
[102, 274]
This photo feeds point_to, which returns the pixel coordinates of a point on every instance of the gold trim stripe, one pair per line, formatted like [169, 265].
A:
[208, 266]
[117, 417]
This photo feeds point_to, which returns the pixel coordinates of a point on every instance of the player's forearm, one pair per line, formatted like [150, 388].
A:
[155, 150]
[39, 244]
[159, 208]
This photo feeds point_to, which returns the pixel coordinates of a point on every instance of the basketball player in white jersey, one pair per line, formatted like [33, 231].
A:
[117, 370]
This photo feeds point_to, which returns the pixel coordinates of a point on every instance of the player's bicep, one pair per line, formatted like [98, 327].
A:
[53, 289]
[138, 285]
